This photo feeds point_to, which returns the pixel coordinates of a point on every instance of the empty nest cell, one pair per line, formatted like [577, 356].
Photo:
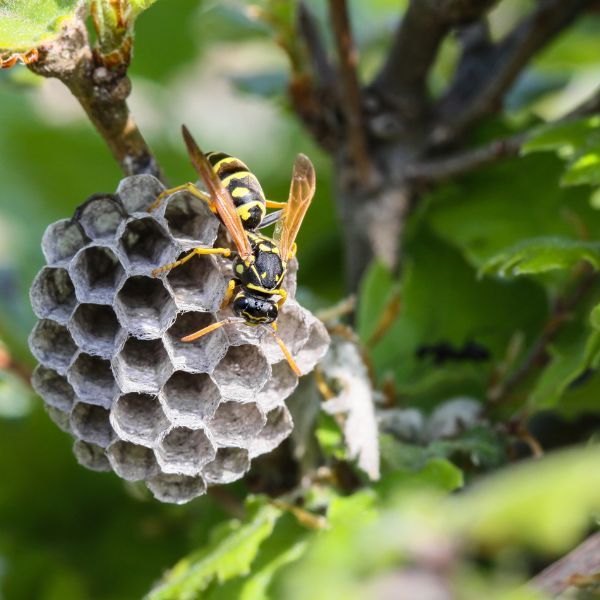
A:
[92, 424]
[176, 489]
[53, 388]
[91, 456]
[197, 284]
[277, 428]
[139, 192]
[62, 240]
[242, 372]
[132, 462]
[142, 366]
[94, 328]
[97, 275]
[200, 355]
[184, 451]
[146, 245]
[190, 221]
[92, 380]
[235, 423]
[100, 216]
[144, 307]
[52, 345]
[190, 399]
[53, 294]
[229, 465]
[139, 418]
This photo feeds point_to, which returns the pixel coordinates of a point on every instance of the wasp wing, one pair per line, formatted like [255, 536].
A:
[301, 195]
[219, 195]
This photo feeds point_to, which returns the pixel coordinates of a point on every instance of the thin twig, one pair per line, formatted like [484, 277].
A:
[584, 560]
[102, 94]
[316, 48]
[437, 170]
[315, 96]
[538, 354]
[351, 94]
[461, 163]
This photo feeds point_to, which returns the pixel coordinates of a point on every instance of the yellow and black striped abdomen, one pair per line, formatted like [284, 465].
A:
[243, 187]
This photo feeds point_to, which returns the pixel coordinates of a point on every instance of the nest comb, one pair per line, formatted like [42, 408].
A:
[113, 371]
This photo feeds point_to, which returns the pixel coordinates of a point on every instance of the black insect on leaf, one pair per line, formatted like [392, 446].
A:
[444, 352]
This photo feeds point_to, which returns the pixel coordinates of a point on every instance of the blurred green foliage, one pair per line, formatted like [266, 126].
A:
[486, 259]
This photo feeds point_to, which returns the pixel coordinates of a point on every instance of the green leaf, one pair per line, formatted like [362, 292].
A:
[585, 168]
[376, 290]
[564, 368]
[256, 586]
[443, 301]
[577, 141]
[230, 555]
[541, 255]
[26, 24]
[438, 474]
[479, 447]
[520, 199]
[566, 137]
[544, 503]
[137, 6]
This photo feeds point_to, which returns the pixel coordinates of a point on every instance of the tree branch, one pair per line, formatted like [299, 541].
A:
[437, 170]
[316, 48]
[350, 89]
[102, 94]
[486, 75]
[583, 561]
[402, 81]
[461, 163]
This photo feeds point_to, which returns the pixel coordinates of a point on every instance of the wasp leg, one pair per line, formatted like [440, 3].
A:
[192, 189]
[293, 251]
[271, 204]
[223, 251]
[228, 293]
[283, 298]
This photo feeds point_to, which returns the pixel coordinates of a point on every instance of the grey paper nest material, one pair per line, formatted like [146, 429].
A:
[113, 371]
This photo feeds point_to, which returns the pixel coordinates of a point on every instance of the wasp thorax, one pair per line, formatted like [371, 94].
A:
[255, 310]
[114, 371]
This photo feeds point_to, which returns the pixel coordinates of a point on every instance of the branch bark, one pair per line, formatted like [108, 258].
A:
[583, 561]
[350, 90]
[439, 170]
[102, 94]
[402, 81]
[486, 75]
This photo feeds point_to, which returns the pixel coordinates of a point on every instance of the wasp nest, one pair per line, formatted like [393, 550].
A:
[113, 370]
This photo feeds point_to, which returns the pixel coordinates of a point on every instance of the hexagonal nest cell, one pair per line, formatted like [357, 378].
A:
[97, 274]
[53, 295]
[113, 370]
[146, 245]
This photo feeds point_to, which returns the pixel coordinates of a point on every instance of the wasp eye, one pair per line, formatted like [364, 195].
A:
[239, 305]
[272, 312]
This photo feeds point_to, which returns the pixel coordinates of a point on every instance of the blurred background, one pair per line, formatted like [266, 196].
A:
[70, 534]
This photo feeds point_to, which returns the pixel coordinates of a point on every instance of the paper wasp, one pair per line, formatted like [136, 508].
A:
[260, 263]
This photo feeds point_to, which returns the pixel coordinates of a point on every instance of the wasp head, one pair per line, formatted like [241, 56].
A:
[256, 311]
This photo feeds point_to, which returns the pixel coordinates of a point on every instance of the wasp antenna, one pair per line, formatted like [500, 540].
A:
[195, 336]
[285, 350]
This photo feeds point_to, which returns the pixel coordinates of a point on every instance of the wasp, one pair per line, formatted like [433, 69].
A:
[260, 263]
